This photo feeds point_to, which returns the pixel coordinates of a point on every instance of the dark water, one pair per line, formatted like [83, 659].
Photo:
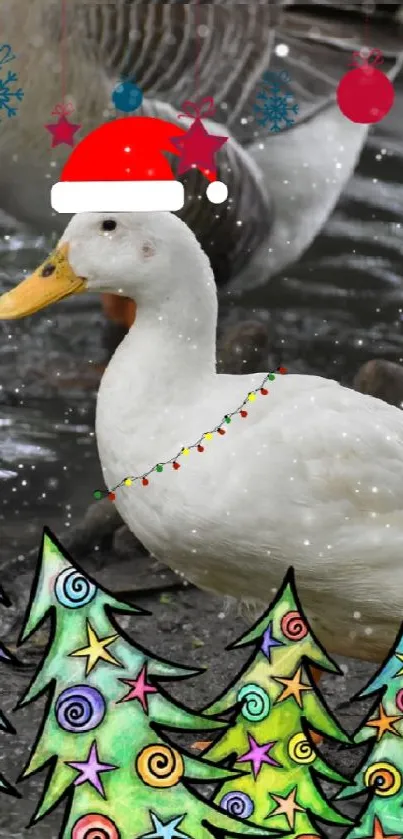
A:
[341, 305]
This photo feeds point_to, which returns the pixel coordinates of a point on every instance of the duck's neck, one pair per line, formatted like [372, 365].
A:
[170, 351]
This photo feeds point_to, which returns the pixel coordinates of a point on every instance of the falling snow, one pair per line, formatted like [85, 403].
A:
[274, 103]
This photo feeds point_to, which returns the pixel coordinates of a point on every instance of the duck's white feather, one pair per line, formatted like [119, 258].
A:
[313, 478]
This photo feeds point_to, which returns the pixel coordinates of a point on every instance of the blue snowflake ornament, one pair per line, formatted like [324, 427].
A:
[9, 96]
[274, 103]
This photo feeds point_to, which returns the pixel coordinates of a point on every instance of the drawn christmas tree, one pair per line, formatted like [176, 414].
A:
[100, 737]
[8, 659]
[381, 772]
[276, 711]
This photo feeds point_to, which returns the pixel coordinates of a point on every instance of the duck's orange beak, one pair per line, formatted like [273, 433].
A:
[52, 281]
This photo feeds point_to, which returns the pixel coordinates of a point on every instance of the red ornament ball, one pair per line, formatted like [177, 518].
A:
[365, 95]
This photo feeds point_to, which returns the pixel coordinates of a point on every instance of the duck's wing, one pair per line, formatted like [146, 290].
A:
[315, 474]
[328, 451]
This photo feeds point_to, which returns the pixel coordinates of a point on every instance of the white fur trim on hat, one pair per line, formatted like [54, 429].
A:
[117, 196]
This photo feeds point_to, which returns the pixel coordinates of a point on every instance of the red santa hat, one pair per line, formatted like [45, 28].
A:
[121, 167]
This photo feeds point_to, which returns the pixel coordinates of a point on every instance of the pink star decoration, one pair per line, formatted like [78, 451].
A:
[139, 688]
[90, 770]
[62, 131]
[258, 754]
[197, 146]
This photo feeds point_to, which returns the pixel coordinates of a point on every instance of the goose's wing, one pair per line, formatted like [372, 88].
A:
[185, 51]
[179, 51]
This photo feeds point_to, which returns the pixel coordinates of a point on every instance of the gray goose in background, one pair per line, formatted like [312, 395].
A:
[282, 186]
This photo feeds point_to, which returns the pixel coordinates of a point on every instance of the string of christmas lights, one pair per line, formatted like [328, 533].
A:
[208, 435]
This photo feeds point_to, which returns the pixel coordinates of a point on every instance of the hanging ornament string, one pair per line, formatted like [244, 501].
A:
[219, 429]
[198, 47]
[366, 30]
[197, 147]
[365, 95]
[63, 131]
[63, 49]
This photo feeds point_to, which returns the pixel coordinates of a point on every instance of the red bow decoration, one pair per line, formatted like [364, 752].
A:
[361, 60]
[63, 109]
[203, 108]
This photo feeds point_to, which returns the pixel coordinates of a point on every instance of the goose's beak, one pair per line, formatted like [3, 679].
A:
[52, 281]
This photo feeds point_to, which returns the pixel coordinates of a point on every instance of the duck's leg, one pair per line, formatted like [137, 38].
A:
[97, 527]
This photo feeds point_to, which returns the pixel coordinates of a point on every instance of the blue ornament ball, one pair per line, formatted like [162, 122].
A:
[127, 97]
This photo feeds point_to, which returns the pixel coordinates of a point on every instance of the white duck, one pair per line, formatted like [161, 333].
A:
[313, 477]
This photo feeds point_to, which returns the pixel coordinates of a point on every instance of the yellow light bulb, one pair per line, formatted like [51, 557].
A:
[185, 451]
[128, 482]
[208, 436]
[252, 397]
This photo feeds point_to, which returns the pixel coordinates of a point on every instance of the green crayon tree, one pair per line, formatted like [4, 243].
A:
[101, 734]
[11, 661]
[380, 774]
[276, 709]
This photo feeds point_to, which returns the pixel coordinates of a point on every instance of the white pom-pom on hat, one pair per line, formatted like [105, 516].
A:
[217, 192]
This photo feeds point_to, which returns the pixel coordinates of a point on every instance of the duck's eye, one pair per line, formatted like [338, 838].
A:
[109, 224]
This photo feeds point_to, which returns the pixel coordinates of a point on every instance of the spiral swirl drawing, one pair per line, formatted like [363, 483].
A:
[160, 766]
[80, 708]
[73, 590]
